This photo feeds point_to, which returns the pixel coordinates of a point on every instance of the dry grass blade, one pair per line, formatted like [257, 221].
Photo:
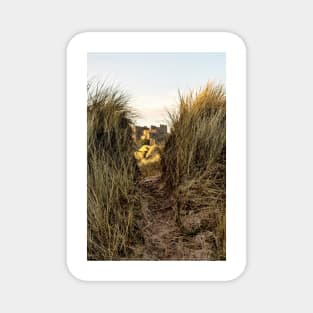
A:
[194, 164]
[112, 197]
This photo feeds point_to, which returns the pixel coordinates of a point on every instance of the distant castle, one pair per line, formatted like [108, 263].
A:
[153, 135]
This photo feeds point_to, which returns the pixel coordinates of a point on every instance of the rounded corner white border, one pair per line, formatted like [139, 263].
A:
[235, 48]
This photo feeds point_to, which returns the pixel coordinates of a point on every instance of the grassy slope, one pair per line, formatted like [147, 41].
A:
[112, 197]
[194, 165]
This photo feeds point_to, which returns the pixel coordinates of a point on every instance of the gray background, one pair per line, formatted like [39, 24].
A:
[33, 274]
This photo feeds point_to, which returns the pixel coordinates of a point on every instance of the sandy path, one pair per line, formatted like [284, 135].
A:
[163, 239]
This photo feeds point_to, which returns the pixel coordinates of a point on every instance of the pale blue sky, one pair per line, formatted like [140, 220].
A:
[153, 79]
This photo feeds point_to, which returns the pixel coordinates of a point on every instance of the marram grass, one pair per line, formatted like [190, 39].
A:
[194, 163]
[112, 172]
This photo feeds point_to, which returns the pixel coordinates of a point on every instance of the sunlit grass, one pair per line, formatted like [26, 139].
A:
[194, 160]
[149, 160]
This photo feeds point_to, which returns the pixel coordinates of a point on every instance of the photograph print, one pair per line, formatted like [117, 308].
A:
[156, 156]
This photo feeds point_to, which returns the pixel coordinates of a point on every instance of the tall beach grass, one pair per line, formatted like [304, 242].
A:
[112, 172]
[194, 164]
